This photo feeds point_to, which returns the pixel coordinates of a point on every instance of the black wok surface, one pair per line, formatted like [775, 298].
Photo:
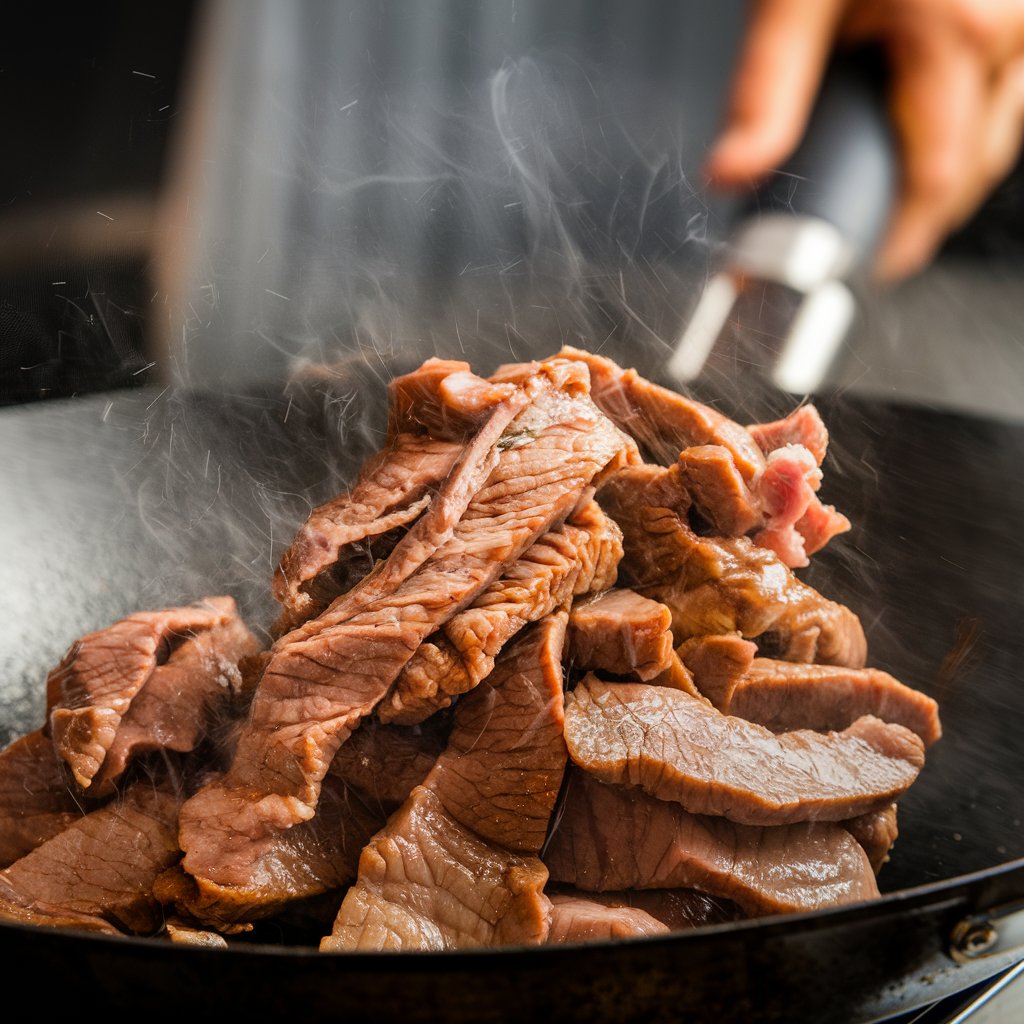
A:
[116, 502]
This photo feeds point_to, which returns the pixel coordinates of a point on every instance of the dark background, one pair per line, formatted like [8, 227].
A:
[90, 96]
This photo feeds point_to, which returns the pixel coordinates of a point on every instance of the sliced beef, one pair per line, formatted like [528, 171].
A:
[579, 556]
[324, 678]
[726, 584]
[428, 883]
[384, 763]
[679, 748]
[259, 876]
[675, 909]
[623, 633]
[503, 767]
[610, 838]
[393, 488]
[662, 421]
[444, 398]
[819, 524]
[579, 919]
[482, 813]
[37, 800]
[876, 832]
[680, 909]
[718, 490]
[782, 696]
[184, 700]
[677, 677]
[717, 662]
[91, 690]
[98, 873]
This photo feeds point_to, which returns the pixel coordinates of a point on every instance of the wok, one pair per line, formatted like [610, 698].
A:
[128, 500]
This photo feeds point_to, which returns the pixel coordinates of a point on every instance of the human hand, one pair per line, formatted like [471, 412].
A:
[956, 98]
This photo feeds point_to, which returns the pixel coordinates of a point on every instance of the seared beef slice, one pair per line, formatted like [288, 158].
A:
[579, 556]
[91, 693]
[99, 872]
[36, 800]
[677, 747]
[621, 632]
[783, 695]
[610, 837]
[325, 677]
[457, 866]
[724, 584]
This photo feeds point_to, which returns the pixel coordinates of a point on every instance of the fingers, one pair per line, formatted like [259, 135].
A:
[937, 98]
[780, 69]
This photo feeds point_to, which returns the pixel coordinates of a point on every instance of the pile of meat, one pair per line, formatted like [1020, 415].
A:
[543, 674]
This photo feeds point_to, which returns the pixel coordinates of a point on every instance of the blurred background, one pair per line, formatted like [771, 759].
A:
[222, 192]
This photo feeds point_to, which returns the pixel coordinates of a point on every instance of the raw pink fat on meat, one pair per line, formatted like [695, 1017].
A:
[610, 838]
[803, 426]
[678, 748]
[325, 677]
[92, 688]
[456, 866]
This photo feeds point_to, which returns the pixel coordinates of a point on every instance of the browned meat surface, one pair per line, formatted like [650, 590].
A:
[384, 763]
[258, 876]
[717, 662]
[678, 677]
[477, 461]
[98, 873]
[727, 585]
[876, 832]
[427, 882]
[91, 690]
[621, 632]
[184, 700]
[718, 490]
[610, 838]
[580, 555]
[675, 909]
[394, 487]
[662, 421]
[579, 919]
[36, 799]
[483, 810]
[678, 748]
[324, 678]
[783, 695]
[503, 767]
[444, 398]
